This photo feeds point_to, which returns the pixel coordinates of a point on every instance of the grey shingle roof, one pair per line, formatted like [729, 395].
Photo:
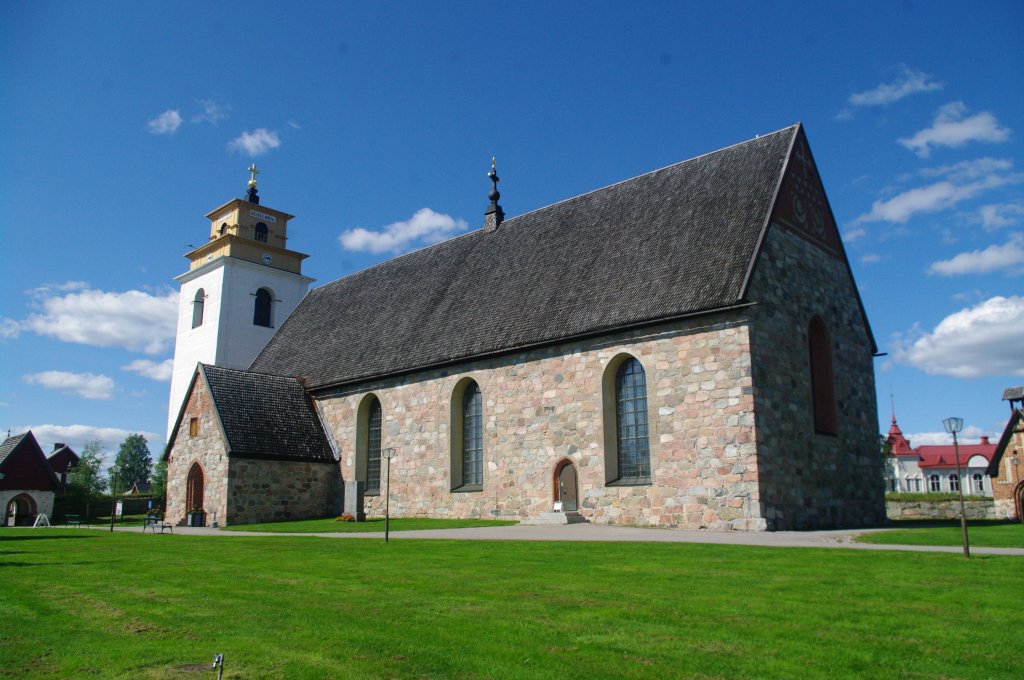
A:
[669, 243]
[10, 444]
[267, 417]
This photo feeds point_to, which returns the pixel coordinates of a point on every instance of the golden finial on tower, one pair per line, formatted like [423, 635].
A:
[253, 172]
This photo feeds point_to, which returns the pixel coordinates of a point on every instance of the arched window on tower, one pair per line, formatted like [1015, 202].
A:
[198, 305]
[823, 387]
[261, 232]
[261, 315]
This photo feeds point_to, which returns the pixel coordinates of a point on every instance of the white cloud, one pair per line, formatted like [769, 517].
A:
[87, 385]
[972, 169]
[212, 112]
[909, 82]
[423, 228]
[971, 434]
[996, 216]
[950, 128]
[851, 235]
[1009, 257]
[960, 182]
[979, 340]
[167, 123]
[870, 258]
[255, 143]
[150, 369]
[133, 320]
[77, 436]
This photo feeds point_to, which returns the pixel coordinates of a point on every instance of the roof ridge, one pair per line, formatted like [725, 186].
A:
[650, 172]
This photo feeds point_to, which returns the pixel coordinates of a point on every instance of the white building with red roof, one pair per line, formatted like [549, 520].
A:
[932, 468]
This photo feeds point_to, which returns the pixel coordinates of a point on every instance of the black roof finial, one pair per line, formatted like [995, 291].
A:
[253, 196]
[494, 215]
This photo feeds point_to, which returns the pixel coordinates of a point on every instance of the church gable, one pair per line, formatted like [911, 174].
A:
[23, 465]
[665, 245]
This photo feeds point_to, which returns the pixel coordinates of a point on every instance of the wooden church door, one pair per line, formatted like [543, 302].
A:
[566, 487]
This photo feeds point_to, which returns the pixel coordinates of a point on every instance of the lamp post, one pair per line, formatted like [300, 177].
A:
[113, 500]
[954, 425]
[388, 454]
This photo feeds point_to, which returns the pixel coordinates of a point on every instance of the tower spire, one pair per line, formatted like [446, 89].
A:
[494, 215]
[253, 195]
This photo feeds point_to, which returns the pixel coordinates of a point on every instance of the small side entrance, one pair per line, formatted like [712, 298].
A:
[566, 486]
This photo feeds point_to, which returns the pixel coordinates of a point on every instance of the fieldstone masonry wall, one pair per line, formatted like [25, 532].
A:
[208, 449]
[974, 508]
[543, 406]
[278, 491]
[811, 480]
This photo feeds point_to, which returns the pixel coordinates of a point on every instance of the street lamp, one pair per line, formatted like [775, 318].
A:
[388, 454]
[954, 425]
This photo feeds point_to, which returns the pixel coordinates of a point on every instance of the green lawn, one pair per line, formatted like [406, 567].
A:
[980, 534]
[89, 603]
[332, 525]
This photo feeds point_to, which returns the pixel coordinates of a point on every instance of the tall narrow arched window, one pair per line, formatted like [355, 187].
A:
[373, 426]
[934, 484]
[472, 436]
[467, 437]
[631, 433]
[954, 483]
[261, 312]
[194, 488]
[261, 232]
[979, 483]
[823, 387]
[197, 308]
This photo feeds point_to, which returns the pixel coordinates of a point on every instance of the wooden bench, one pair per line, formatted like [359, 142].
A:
[74, 521]
[154, 521]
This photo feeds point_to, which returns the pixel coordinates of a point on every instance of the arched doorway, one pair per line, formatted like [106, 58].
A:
[566, 486]
[194, 488]
[21, 511]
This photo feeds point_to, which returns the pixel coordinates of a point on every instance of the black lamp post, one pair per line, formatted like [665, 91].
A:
[954, 425]
[113, 500]
[388, 455]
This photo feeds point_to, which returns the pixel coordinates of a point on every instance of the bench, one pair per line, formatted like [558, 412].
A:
[154, 521]
[74, 521]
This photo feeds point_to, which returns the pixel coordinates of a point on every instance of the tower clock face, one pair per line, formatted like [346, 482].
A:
[267, 259]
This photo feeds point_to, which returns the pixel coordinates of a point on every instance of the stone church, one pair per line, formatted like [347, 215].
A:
[686, 348]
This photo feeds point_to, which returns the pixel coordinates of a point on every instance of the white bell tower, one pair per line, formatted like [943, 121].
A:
[241, 285]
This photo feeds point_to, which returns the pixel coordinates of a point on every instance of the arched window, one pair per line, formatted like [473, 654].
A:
[197, 308]
[626, 436]
[934, 484]
[954, 483]
[467, 437]
[979, 483]
[194, 488]
[223, 228]
[369, 421]
[261, 232]
[261, 315]
[823, 388]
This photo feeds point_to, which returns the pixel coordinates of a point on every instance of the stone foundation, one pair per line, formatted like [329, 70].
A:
[927, 510]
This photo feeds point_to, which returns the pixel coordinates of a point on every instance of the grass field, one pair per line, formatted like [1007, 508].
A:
[980, 534]
[89, 603]
[332, 525]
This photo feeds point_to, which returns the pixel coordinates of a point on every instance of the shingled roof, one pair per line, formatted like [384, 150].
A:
[266, 417]
[671, 243]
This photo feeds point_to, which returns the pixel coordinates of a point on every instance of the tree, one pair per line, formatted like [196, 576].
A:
[84, 480]
[132, 464]
[160, 478]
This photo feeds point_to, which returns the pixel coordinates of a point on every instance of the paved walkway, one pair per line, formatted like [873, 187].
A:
[593, 532]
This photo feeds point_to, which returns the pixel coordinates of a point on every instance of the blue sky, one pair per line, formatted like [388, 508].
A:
[123, 124]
